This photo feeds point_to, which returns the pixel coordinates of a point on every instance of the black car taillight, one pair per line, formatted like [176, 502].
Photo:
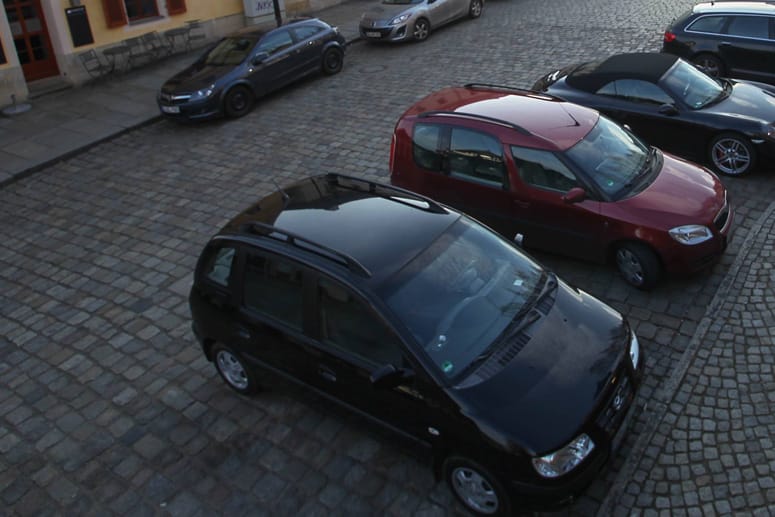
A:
[669, 37]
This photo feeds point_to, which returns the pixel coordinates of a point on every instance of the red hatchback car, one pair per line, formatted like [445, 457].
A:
[563, 178]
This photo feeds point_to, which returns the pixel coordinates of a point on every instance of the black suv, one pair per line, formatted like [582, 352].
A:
[421, 319]
[729, 39]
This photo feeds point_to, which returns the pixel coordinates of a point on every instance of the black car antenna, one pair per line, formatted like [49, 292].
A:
[286, 197]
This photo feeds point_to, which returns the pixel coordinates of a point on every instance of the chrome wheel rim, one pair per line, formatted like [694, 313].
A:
[630, 266]
[709, 66]
[474, 490]
[476, 8]
[232, 370]
[731, 156]
[420, 30]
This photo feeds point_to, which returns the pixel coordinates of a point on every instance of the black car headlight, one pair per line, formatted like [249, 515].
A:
[564, 460]
[634, 350]
[201, 94]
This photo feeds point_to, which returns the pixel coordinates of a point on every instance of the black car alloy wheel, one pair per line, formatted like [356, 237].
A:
[234, 371]
[732, 154]
[475, 487]
[709, 64]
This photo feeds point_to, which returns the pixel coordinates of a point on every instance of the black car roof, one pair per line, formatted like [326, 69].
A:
[734, 8]
[370, 228]
[594, 75]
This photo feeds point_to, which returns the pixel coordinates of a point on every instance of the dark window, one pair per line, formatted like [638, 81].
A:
[139, 9]
[218, 265]
[273, 287]
[477, 157]
[349, 325]
[750, 27]
[634, 90]
[709, 24]
[543, 169]
[308, 31]
[2, 54]
[426, 146]
[275, 42]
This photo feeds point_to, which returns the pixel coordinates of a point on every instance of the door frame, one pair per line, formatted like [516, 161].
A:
[41, 69]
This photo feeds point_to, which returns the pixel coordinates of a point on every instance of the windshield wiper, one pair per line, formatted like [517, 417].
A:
[644, 171]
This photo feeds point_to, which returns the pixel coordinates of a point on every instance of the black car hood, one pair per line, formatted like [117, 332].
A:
[747, 100]
[196, 77]
[542, 398]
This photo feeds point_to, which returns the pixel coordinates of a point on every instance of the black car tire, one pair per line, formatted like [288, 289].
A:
[333, 61]
[475, 487]
[709, 64]
[421, 29]
[238, 101]
[234, 371]
[638, 264]
[731, 154]
[475, 10]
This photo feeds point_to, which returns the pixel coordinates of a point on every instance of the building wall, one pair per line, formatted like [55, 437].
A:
[11, 77]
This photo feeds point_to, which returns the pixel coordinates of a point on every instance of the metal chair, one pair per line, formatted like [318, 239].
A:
[93, 64]
[137, 51]
[155, 44]
[196, 32]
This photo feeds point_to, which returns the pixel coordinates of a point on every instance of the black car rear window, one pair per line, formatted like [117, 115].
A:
[709, 24]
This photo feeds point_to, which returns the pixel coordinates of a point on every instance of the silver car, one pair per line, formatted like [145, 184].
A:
[401, 20]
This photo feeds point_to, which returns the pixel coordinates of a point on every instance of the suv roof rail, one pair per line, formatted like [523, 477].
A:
[391, 192]
[514, 89]
[475, 117]
[300, 242]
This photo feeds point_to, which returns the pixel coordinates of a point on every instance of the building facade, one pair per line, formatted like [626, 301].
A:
[42, 39]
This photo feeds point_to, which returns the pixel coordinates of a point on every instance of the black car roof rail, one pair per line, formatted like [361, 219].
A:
[474, 116]
[389, 191]
[513, 88]
[300, 242]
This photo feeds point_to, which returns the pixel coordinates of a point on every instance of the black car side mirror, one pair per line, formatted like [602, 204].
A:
[574, 195]
[259, 58]
[388, 376]
[668, 109]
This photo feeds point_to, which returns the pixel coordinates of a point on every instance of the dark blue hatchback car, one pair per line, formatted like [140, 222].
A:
[240, 68]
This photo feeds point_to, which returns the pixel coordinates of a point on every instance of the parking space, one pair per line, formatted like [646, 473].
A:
[106, 403]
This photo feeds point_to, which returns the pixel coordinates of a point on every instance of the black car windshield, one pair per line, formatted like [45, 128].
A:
[693, 87]
[461, 293]
[230, 51]
[611, 157]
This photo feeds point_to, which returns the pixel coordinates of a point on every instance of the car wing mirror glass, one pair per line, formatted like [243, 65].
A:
[259, 58]
[388, 376]
[575, 195]
[668, 109]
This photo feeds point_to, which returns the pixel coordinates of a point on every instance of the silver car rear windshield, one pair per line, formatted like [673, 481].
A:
[461, 293]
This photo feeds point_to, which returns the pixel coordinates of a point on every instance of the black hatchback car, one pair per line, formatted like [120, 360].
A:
[729, 39]
[229, 77]
[421, 319]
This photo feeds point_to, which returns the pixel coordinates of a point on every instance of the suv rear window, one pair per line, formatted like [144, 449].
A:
[709, 24]
[218, 263]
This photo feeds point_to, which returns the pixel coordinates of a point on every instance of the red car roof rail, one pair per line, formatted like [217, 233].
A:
[474, 116]
[267, 230]
[514, 89]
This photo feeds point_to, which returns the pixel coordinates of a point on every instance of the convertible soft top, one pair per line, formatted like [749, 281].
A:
[594, 75]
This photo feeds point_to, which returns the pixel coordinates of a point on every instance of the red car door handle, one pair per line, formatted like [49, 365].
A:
[522, 204]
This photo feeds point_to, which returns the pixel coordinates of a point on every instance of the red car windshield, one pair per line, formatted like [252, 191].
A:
[611, 156]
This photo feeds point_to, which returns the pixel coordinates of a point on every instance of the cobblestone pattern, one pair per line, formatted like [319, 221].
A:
[106, 403]
[711, 452]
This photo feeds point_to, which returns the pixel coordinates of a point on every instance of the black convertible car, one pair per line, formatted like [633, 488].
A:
[676, 107]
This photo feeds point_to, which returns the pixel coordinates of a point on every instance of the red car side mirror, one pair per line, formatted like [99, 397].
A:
[574, 195]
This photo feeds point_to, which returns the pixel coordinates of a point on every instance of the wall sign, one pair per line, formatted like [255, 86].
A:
[80, 30]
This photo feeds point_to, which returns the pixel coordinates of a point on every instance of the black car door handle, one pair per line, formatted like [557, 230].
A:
[326, 373]
[243, 333]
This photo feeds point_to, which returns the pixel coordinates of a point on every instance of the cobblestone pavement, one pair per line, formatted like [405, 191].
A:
[108, 407]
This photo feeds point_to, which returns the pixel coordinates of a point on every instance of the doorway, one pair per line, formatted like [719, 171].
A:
[31, 39]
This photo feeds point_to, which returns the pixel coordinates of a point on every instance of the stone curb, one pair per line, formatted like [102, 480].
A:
[664, 396]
